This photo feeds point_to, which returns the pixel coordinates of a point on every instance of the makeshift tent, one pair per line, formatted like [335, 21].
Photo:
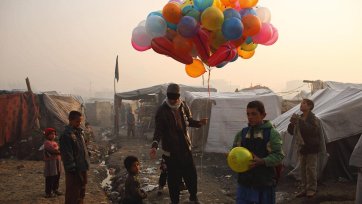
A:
[157, 93]
[227, 116]
[55, 108]
[318, 85]
[100, 113]
[23, 116]
[356, 161]
[356, 157]
[19, 115]
[161, 89]
[340, 113]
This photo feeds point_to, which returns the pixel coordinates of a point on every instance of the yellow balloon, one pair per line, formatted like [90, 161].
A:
[246, 54]
[195, 69]
[239, 159]
[248, 47]
[247, 3]
[218, 4]
[212, 18]
[186, 3]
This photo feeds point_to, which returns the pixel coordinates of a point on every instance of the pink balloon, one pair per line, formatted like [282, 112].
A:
[140, 48]
[264, 35]
[274, 37]
[237, 6]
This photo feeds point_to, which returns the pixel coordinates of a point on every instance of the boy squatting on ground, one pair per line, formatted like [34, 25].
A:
[133, 193]
[257, 185]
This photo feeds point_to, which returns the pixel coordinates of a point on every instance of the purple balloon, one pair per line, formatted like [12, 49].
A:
[246, 11]
[187, 27]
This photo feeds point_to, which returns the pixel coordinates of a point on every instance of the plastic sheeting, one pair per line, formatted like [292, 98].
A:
[56, 109]
[19, 115]
[228, 115]
[356, 157]
[162, 88]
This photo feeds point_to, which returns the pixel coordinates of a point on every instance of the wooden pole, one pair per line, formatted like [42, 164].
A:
[116, 112]
[28, 85]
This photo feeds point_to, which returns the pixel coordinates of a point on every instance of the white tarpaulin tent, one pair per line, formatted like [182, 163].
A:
[227, 116]
[339, 111]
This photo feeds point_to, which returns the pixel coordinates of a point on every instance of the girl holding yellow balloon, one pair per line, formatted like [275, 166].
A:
[256, 154]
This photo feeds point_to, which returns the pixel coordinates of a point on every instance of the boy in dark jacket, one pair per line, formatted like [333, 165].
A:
[75, 159]
[133, 193]
[306, 129]
[257, 185]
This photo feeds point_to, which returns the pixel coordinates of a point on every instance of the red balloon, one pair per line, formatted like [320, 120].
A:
[201, 43]
[164, 46]
[182, 44]
[225, 52]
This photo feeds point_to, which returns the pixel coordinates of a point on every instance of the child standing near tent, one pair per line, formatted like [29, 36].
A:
[306, 129]
[53, 164]
[257, 185]
[133, 193]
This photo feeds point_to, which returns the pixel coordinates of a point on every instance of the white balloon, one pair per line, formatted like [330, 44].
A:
[264, 14]
[140, 37]
[142, 23]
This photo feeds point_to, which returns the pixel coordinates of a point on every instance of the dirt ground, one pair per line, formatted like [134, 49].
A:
[217, 183]
[23, 181]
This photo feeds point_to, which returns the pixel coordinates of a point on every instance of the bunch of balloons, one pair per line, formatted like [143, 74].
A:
[210, 32]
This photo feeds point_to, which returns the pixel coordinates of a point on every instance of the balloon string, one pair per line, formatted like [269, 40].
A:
[208, 82]
[205, 127]
[203, 81]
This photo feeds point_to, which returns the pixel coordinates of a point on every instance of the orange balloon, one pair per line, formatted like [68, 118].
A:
[251, 24]
[246, 54]
[172, 13]
[182, 44]
[226, 3]
[247, 3]
[195, 69]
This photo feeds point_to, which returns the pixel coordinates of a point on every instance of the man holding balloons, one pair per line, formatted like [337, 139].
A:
[256, 154]
[172, 120]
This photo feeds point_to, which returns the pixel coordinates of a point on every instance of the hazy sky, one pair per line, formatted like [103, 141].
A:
[71, 46]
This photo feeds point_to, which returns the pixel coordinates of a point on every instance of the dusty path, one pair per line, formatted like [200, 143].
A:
[22, 182]
[217, 183]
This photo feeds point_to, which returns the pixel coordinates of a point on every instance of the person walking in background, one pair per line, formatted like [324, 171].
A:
[53, 164]
[75, 159]
[131, 124]
[306, 129]
[88, 134]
